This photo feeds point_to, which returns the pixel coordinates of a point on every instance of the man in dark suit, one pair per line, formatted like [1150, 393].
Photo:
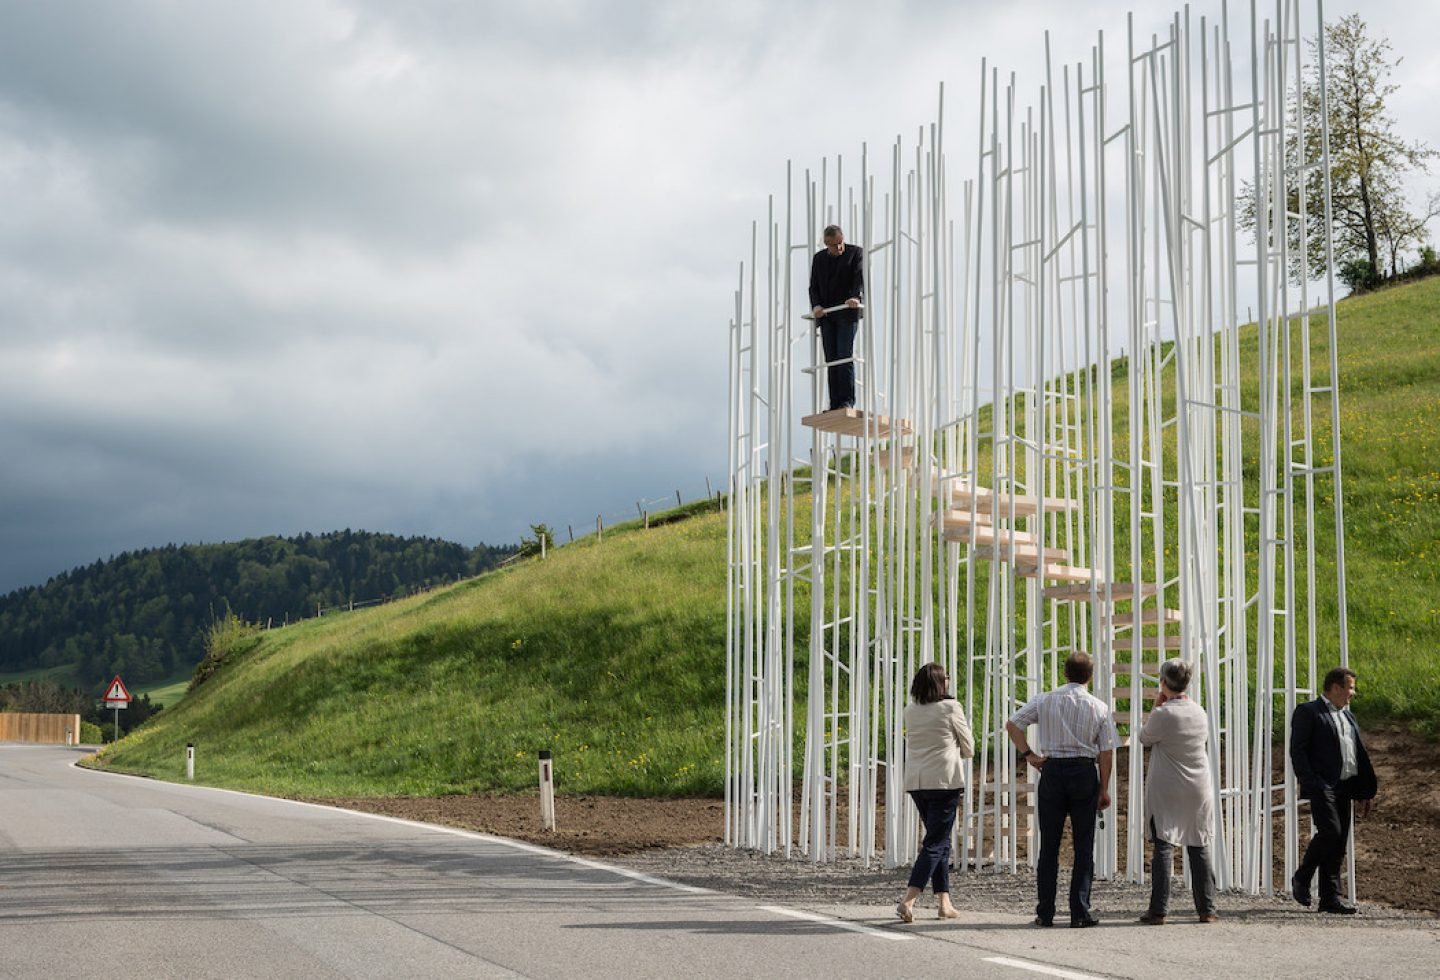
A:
[1334, 771]
[837, 278]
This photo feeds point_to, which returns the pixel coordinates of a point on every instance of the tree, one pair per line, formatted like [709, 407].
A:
[1372, 222]
[544, 540]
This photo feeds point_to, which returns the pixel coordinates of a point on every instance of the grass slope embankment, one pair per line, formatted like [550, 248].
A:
[610, 653]
[1389, 351]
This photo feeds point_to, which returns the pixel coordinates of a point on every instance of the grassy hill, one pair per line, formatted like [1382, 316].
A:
[611, 653]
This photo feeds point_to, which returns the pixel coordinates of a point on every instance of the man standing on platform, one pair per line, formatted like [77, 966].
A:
[1333, 770]
[837, 278]
[1076, 734]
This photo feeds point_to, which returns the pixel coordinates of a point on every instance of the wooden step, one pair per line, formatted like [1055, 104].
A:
[989, 536]
[963, 496]
[1148, 617]
[1125, 717]
[1021, 555]
[853, 422]
[955, 518]
[1171, 642]
[1129, 670]
[1055, 572]
[907, 457]
[1123, 693]
[1119, 591]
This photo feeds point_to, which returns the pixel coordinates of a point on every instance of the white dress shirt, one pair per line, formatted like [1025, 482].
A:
[1349, 758]
[1073, 723]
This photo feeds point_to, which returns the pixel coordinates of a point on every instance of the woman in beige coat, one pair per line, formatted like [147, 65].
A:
[937, 739]
[1178, 793]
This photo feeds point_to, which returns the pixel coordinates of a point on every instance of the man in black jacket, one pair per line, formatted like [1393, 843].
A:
[1333, 768]
[837, 278]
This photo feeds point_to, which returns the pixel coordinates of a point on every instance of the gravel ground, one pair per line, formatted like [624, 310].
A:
[848, 882]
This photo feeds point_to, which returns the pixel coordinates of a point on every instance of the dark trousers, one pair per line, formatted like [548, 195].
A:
[937, 811]
[1330, 810]
[1068, 788]
[837, 336]
[1202, 878]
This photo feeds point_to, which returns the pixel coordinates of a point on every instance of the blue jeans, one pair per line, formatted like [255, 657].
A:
[937, 811]
[1202, 879]
[1068, 788]
[837, 336]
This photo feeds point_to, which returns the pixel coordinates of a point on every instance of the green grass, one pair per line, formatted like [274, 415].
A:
[611, 653]
[167, 691]
[1390, 436]
[62, 673]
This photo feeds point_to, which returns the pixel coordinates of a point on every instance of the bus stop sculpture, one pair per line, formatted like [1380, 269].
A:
[1067, 436]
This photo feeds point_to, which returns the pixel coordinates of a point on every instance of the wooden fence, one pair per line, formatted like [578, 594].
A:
[16, 726]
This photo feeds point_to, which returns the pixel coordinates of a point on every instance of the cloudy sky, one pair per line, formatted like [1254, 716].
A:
[442, 267]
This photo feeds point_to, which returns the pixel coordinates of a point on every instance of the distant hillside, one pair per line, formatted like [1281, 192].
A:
[143, 614]
[611, 653]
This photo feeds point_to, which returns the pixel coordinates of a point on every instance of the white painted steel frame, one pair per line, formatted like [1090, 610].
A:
[1082, 239]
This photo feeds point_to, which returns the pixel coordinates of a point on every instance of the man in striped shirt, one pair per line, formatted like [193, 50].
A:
[1076, 734]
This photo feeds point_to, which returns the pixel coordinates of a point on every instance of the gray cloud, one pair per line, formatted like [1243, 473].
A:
[440, 267]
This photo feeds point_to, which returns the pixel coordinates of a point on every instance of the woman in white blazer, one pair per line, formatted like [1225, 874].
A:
[937, 739]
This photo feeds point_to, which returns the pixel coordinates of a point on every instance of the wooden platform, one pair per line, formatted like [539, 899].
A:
[1056, 572]
[1128, 670]
[1149, 642]
[1119, 591]
[907, 457]
[962, 496]
[1021, 555]
[852, 422]
[984, 535]
[1148, 617]
[954, 518]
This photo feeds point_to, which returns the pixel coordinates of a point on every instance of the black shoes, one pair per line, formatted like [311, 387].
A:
[1084, 923]
[1337, 907]
[1042, 922]
[1300, 889]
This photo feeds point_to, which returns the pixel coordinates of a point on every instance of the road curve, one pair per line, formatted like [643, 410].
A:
[113, 876]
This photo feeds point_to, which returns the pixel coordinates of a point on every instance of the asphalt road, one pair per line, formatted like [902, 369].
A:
[110, 876]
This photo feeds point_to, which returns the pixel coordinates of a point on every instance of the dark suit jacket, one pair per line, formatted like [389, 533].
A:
[1315, 752]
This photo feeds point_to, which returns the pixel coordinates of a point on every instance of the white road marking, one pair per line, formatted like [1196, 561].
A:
[837, 923]
[1049, 971]
[436, 828]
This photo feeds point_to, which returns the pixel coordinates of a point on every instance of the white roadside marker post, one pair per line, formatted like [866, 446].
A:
[190, 761]
[547, 791]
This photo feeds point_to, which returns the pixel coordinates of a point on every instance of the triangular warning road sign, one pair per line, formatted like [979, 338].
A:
[117, 691]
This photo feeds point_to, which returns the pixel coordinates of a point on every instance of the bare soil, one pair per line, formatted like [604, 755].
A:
[682, 840]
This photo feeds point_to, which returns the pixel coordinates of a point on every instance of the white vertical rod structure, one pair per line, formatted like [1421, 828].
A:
[912, 518]
[733, 693]
[1334, 375]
